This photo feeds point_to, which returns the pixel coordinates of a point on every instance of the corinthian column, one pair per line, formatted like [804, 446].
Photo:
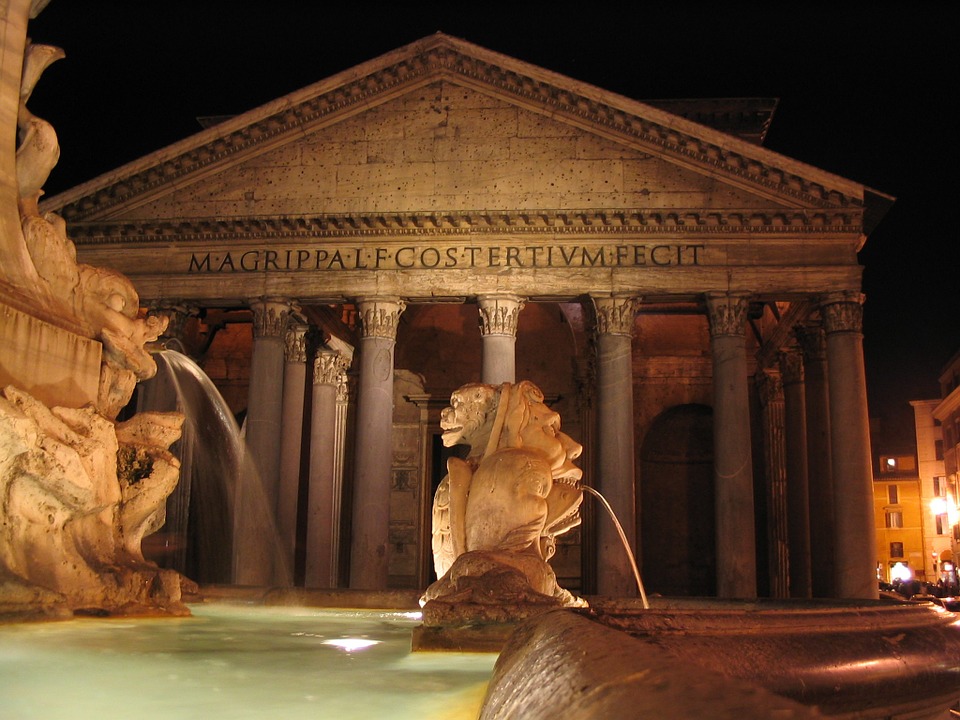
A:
[733, 462]
[850, 438]
[323, 505]
[798, 499]
[498, 326]
[255, 538]
[615, 440]
[294, 390]
[379, 319]
[819, 463]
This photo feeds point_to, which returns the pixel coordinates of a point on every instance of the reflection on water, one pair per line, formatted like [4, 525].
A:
[235, 662]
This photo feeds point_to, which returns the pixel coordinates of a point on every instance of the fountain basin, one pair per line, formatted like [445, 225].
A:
[863, 659]
[235, 660]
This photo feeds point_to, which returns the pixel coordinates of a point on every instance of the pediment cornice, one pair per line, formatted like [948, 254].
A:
[440, 57]
[685, 222]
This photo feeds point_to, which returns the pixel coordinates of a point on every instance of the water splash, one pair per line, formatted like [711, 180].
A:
[218, 523]
[623, 539]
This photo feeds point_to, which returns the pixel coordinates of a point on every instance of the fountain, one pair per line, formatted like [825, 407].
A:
[496, 516]
[80, 491]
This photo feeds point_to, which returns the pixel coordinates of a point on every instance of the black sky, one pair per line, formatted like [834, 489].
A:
[863, 91]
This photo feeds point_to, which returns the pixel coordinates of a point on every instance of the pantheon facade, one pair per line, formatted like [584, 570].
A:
[342, 258]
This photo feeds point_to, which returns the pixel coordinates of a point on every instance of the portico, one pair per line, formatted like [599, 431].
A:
[452, 215]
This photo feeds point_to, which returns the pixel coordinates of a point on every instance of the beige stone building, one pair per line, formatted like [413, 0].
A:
[936, 494]
[947, 414]
[342, 258]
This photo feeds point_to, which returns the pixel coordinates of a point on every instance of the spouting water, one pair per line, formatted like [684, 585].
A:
[218, 524]
[623, 539]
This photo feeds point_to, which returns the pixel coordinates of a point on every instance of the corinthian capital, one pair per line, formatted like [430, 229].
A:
[791, 367]
[295, 343]
[769, 388]
[842, 312]
[270, 317]
[615, 314]
[499, 314]
[329, 368]
[727, 313]
[380, 317]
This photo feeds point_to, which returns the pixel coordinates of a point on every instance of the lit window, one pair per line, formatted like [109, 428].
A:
[942, 524]
[889, 464]
[895, 519]
[940, 486]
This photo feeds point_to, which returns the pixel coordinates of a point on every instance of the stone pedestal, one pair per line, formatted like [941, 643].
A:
[54, 365]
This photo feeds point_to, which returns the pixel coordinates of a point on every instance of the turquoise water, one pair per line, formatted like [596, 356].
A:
[235, 662]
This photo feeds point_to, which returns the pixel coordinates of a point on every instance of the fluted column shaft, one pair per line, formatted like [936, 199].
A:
[498, 326]
[798, 499]
[379, 319]
[323, 505]
[616, 459]
[255, 526]
[291, 438]
[819, 461]
[850, 432]
[733, 462]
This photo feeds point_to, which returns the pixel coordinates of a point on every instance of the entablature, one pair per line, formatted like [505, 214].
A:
[779, 222]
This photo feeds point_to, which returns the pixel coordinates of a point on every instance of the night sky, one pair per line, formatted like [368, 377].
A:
[863, 93]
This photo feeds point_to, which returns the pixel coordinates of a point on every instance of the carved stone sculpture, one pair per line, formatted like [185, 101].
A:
[78, 491]
[497, 513]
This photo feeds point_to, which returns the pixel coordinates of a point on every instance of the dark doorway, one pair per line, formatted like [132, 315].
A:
[677, 503]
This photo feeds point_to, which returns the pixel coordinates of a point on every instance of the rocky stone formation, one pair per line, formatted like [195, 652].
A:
[77, 494]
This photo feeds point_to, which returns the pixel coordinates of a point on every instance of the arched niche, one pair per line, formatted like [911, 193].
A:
[677, 503]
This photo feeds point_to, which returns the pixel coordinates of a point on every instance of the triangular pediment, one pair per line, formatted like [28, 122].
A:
[442, 148]
[443, 127]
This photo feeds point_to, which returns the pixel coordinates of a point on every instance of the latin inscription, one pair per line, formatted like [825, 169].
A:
[458, 257]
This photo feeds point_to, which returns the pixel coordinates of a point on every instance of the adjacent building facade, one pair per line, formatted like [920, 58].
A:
[947, 414]
[341, 259]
